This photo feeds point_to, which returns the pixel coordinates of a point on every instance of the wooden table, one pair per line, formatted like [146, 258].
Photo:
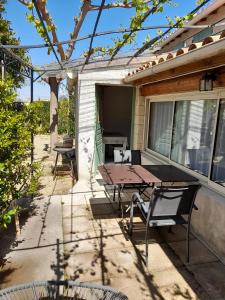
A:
[121, 175]
[169, 173]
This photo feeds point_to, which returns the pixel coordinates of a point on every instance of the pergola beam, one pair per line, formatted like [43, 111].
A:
[150, 11]
[86, 37]
[94, 32]
[46, 32]
[155, 39]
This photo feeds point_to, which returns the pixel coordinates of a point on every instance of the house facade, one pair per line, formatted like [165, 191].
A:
[160, 109]
[180, 120]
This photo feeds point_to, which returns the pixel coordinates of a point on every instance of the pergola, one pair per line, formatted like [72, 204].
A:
[58, 70]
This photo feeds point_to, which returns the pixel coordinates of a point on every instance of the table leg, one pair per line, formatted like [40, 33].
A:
[56, 160]
[120, 202]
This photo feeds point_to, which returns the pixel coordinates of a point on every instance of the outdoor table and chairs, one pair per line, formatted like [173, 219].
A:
[121, 175]
[142, 175]
[167, 204]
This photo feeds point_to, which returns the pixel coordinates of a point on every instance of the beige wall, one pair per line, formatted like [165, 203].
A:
[139, 117]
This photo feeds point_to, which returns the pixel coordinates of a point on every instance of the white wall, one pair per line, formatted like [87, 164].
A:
[86, 116]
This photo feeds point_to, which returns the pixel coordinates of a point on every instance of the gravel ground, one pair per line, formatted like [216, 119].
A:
[48, 186]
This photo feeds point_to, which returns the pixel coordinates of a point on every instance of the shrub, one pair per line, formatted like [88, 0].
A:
[18, 175]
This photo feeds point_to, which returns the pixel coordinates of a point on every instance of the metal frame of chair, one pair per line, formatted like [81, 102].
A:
[166, 207]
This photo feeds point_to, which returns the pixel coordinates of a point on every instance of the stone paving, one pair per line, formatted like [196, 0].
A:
[79, 236]
[98, 249]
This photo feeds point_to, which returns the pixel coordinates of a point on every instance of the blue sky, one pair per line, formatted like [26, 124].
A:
[63, 12]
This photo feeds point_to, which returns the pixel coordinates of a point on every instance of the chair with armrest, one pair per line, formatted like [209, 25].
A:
[132, 157]
[167, 207]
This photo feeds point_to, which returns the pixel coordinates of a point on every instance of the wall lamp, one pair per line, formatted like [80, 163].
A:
[206, 82]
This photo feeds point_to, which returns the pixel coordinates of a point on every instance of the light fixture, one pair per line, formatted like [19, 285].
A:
[206, 82]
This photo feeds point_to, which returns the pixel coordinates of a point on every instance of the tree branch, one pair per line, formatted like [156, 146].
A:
[117, 5]
[46, 17]
[86, 7]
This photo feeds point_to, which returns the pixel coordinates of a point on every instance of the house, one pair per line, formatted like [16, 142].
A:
[180, 116]
[171, 106]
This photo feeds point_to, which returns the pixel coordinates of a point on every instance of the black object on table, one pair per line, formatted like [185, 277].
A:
[70, 155]
[169, 173]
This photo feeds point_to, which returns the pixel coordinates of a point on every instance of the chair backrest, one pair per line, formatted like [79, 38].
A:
[127, 156]
[173, 201]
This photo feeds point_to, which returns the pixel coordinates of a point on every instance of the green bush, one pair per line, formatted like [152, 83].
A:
[41, 110]
[65, 117]
[18, 176]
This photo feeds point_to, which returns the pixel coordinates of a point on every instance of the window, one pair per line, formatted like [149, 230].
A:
[160, 127]
[193, 134]
[218, 164]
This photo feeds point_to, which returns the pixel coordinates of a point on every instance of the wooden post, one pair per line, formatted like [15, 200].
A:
[54, 87]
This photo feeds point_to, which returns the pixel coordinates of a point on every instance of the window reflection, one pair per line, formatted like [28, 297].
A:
[160, 127]
[193, 134]
[218, 165]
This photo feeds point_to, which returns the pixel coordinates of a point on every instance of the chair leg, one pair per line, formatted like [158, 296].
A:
[56, 160]
[114, 193]
[146, 244]
[130, 231]
[188, 242]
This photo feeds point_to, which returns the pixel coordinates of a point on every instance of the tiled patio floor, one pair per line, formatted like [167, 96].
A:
[94, 247]
[98, 249]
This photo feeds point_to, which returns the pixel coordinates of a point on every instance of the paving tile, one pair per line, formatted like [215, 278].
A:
[138, 234]
[84, 267]
[105, 222]
[135, 287]
[96, 198]
[178, 283]
[160, 256]
[74, 199]
[101, 209]
[71, 211]
[198, 252]
[175, 234]
[119, 262]
[211, 276]
[81, 243]
[77, 224]
[114, 239]
[73, 238]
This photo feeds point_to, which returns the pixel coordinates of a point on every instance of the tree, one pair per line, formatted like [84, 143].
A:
[7, 36]
[41, 110]
[143, 9]
[17, 174]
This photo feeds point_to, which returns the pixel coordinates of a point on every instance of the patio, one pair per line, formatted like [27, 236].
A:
[79, 236]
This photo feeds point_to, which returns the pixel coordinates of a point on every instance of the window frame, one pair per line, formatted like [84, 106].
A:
[217, 95]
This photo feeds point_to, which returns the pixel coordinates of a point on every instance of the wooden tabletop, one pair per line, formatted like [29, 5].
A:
[126, 174]
[169, 173]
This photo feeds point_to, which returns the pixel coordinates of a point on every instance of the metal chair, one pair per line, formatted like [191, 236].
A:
[59, 290]
[166, 207]
[132, 157]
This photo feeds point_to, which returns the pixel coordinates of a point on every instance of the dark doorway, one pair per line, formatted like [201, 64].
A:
[115, 115]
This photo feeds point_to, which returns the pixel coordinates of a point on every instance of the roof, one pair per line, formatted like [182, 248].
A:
[95, 64]
[203, 13]
[172, 56]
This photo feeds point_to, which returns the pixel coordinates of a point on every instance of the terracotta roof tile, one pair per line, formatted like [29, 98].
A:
[172, 55]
